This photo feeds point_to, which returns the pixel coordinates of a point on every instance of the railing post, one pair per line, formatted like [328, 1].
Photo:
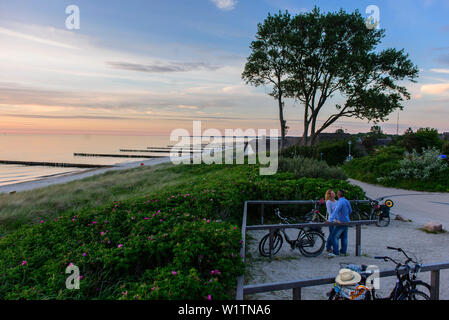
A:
[435, 284]
[297, 293]
[262, 209]
[358, 240]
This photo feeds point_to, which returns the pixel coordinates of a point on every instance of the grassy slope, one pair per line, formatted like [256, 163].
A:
[34, 205]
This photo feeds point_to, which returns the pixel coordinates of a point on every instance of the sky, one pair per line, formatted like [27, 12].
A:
[146, 67]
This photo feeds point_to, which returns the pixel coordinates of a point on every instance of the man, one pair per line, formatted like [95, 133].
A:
[340, 215]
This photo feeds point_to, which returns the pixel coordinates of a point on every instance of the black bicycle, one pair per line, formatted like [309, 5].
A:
[407, 286]
[309, 241]
[414, 286]
[315, 215]
[378, 212]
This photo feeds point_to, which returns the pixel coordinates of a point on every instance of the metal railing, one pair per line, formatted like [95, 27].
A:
[296, 286]
[262, 204]
[273, 228]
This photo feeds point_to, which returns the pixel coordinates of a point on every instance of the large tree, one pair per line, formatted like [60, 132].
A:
[267, 64]
[337, 55]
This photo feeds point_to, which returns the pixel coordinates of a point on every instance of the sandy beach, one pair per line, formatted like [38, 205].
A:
[64, 178]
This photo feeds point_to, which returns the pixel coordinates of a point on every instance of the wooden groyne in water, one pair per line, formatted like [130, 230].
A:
[178, 148]
[160, 151]
[116, 155]
[53, 164]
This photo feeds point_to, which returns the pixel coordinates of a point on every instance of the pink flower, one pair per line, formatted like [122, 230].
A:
[120, 245]
[174, 273]
[84, 254]
[24, 262]
[146, 218]
[42, 221]
[81, 277]
[161, 220]
[124, 293]
[94, 222]
[208, 221]
[152, 289]
[102, 233]
[209, 297]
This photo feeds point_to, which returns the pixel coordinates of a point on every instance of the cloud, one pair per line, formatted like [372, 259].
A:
[161, 67]
[25, 36]
[440, 70]
[225, 5]
[182, 106]
[444, 59]
[435, 89]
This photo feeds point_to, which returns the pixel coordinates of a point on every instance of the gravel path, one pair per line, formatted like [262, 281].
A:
[291, 265]
[421, 207]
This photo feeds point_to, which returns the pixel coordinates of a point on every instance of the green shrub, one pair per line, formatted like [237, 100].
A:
[333, 152]
[310, 168]
[426, 166]
[423, 138]
[445, 148]
[177, 243]
[382, 162]
[389, 167]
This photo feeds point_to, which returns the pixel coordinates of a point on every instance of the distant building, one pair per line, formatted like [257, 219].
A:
[329, 136]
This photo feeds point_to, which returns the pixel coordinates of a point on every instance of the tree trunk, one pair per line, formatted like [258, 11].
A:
[281, 118]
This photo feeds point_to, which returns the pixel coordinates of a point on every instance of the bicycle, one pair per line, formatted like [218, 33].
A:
[309, 241]
[315, 215]
[412, 273]
[380, 213]
[405, 288]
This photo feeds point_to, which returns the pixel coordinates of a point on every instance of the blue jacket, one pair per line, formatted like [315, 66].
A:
[341, 211]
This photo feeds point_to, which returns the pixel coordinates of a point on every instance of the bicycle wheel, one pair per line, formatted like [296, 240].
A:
[382, 221]
[311, 244]
[264, 244]
[422, 286]
[414, 295]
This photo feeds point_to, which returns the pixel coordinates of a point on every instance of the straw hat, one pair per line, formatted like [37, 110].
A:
[347, 277]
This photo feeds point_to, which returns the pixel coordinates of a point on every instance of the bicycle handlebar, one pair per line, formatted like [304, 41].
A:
[392, 248]
[404, 253]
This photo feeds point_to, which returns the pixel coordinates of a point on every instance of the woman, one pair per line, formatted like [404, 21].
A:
[330, 206]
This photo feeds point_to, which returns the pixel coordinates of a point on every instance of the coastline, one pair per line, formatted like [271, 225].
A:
[65, 178]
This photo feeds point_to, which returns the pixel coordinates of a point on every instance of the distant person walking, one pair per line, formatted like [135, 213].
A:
[330, 207]
[340, 215]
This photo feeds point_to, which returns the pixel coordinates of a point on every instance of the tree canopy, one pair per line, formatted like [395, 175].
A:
[316, 56]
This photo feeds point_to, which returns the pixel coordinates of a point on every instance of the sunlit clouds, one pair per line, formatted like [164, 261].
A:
[148, 75]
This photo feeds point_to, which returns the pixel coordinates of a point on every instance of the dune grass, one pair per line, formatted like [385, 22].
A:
[48, 202]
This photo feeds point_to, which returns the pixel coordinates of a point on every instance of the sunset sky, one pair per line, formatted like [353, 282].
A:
[147, 67]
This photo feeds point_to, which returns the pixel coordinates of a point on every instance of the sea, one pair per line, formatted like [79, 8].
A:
[61, 149]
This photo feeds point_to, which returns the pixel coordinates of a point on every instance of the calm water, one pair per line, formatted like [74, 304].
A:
[55, 148]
